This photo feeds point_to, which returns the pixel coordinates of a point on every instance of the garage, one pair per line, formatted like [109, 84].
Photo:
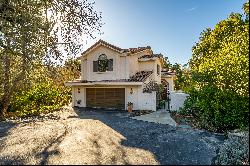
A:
[105, 97]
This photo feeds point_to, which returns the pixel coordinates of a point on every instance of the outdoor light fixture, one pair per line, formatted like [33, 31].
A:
[131, 91]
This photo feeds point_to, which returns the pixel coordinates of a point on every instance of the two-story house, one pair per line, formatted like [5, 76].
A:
[111, 77]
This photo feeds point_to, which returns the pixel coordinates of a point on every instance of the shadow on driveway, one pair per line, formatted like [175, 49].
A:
[171, 146]
[5, 127]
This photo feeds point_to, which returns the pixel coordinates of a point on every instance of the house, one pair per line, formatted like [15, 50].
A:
[111, 77]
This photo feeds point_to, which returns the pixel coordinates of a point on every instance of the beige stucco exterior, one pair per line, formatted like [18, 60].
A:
[140, 100]
[125, 65]
[118, 65]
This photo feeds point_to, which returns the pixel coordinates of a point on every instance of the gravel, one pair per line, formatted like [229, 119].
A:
[81, 136]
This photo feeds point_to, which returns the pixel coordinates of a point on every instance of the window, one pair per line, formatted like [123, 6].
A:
[158, 69]
[103, 64]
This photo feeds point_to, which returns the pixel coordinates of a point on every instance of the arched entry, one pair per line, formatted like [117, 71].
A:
[165, 94]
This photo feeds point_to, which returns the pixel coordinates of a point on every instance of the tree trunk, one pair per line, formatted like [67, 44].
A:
[10, 84]
[6, 103]
[6, 83]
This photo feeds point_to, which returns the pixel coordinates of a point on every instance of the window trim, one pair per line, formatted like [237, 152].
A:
[96, 69]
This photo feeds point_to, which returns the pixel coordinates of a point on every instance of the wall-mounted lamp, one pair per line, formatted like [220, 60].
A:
[131, 91]
[79, 90]
[78, 101]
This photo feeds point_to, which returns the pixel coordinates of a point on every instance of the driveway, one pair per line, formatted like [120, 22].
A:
[103, 137]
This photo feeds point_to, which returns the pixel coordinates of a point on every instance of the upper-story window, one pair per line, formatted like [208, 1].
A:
[158, 69]
[103, 64]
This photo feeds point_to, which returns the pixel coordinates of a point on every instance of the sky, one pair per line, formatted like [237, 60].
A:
[170, 27]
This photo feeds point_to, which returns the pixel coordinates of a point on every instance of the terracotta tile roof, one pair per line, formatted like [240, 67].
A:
[168, 73]
[151, 56]
[141, 76]
[105, 43]
[138, 77]
[129, 50]
[135, 50]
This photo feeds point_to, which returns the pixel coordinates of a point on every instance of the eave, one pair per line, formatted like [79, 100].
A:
[104, 84]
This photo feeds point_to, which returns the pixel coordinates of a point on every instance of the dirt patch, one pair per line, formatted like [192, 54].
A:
[183, 120]
[64, 138]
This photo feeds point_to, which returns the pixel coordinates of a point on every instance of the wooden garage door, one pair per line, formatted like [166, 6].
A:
[105, 97]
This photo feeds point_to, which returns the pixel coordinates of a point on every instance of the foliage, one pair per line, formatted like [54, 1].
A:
[20, 33]
[37, 33]
[235, 151]
[221, 57]
[219, 97]
[42, 98]
[151, 86]
[182, 81]
[130, 104]
[61, 73]
[217, 110]
[167, 64]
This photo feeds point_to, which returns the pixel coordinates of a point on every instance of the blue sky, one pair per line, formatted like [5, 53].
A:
[170, 27]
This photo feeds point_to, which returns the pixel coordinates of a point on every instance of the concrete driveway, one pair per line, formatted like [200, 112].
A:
[160, 116]
[103, 137]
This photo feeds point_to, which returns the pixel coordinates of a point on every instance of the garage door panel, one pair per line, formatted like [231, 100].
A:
[105, 97]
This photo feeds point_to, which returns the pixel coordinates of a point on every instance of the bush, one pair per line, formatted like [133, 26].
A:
[235, 151]
[217, 110]
[42, 98]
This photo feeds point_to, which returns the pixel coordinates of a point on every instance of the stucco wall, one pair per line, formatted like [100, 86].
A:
[118, 65]
[151, 65]
[132, 97]
[122, 72]
[147, 101]
[140, 100]
[177, 100]
[133, 62]
[147, 65]
[83, 69]
[124, 65]
[133, 65]
[157, 76]
[79, 96]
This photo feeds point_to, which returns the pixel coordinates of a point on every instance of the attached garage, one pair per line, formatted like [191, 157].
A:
[105, 97]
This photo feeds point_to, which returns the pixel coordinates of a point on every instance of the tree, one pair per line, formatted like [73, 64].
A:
[221, 57]
[70, 70]
[219, 68]
[33, 33]
[179, 74]
[182, 81]
[167, 64]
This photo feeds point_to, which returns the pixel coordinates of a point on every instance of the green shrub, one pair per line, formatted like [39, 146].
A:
[42, 98]
[217, 110]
